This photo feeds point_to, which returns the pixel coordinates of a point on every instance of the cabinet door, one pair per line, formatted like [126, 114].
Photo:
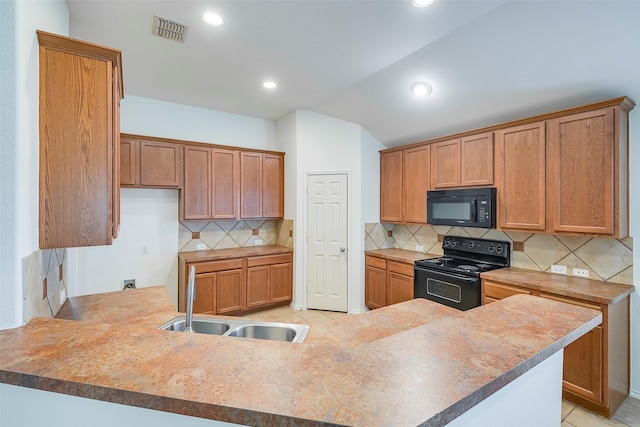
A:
[196, 194]
[520, 177]
[581, 172]
[400, 288]
[226, 184]
[258, 291]
[160, 164]
[399, 282]
[229, 291]
[128, 161]
[582, 368]
[476, 162]
[205, 300]
[250, 185]
[272, 186]
[445, 164]
[375, 287]
[391, 187]
[417, 180]
[281, 281]
[79, 163]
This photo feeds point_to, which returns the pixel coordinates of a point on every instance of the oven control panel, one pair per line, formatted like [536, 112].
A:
[476, 246]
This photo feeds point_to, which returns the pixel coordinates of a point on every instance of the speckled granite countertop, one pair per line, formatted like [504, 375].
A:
[413, 363]
[220, 254]
[560, 284]
[399, 255]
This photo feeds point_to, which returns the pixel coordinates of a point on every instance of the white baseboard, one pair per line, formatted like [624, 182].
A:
[635, 394]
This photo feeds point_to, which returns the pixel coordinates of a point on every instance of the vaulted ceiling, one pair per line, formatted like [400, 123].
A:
[487, 61]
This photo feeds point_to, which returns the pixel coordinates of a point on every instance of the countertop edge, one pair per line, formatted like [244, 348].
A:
[506, 276]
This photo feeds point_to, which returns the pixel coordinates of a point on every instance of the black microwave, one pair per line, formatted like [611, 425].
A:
[469, 207]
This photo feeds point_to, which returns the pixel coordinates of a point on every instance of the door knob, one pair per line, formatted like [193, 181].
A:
[342, 249]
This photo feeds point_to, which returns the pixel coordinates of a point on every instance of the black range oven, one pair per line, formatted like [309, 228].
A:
[454, 279]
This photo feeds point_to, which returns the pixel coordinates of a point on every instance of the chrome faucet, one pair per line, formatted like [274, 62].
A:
[191, 295]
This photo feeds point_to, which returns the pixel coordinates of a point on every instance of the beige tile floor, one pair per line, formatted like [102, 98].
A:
[628, 415]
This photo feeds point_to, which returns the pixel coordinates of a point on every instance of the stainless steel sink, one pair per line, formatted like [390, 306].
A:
[199, 326]
[272, 331]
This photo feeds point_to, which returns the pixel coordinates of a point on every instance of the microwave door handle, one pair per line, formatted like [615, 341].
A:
[473, 211]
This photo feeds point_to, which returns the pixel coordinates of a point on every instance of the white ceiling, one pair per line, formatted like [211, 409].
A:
[488, 61]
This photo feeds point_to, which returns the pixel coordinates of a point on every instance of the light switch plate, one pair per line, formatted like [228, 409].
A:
[580, 272]
[419, 248]
[560, 269]
[201, 247]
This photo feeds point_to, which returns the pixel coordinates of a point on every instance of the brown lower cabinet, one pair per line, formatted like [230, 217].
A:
[387, 282]
[233, 286]
[596, 366]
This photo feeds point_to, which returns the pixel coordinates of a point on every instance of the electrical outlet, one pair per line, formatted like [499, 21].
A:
[419, 248]
[144, 250]
[580, 272]
[257, 242]
[201, 247]
[129, 284]
[560, 269]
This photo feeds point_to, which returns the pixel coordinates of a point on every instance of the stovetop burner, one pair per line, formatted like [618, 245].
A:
[469, 256]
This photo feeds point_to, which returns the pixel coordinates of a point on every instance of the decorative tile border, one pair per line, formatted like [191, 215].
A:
[609, 260]
[43, 279]
[223, 234]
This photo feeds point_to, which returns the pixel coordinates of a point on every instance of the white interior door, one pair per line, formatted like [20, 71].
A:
[327, 242]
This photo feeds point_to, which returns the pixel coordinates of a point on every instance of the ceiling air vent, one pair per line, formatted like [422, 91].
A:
[169, 29]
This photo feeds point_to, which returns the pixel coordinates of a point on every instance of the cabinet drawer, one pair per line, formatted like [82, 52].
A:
[500, 290]
[211, 266]
[571, 301]
[371, 261]
[269, 260]
[401, 268]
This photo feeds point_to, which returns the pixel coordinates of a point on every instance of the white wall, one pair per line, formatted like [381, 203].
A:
[19, 21]
[150, 217]
[370, 178]
[324, 144]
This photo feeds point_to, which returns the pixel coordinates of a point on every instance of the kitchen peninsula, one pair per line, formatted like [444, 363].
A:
[408, 364]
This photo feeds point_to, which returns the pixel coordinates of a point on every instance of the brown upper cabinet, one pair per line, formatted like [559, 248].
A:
[149, 163]
[391, 187]
[404, 181]
[416, 171]
[462, 162]
[587, 172]
[80, 91]
[261, 185]
[520, 177]
[211, 183]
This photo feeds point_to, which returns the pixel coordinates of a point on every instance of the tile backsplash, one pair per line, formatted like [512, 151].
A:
[609, 260]
[44, 280]
[223, 234]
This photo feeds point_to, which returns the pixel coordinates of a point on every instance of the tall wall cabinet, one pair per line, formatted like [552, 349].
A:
[80, 91]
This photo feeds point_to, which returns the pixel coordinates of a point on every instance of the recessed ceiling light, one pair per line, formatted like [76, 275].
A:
[269, 84]
[212, 19]
[422, 3]
[421, 89]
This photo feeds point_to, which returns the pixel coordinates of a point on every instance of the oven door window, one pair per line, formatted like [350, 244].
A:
[448, 291]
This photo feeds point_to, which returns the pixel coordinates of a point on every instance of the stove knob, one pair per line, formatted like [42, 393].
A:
[471, 245]
[454, 243]
[500, 248]
[492, 247]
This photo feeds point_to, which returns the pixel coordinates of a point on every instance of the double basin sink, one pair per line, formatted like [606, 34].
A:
[241, 328]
